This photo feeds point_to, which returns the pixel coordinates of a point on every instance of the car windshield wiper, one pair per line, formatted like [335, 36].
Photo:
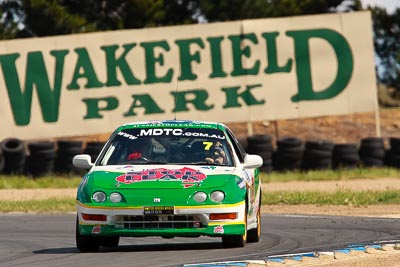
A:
[154, 162]
[204, 163]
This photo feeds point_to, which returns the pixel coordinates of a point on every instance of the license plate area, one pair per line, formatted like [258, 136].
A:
[158, 210]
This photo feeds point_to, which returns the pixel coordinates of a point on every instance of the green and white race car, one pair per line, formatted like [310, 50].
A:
[169, 179]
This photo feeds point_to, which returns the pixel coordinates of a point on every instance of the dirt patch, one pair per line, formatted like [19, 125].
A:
[383, 211]
[357, 185]
[35, 194]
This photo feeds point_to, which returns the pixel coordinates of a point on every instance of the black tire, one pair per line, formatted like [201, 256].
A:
[109, 241]
[345, 156]
[294, 153]
[322, 145]
[48, 154]
[65, 153]
[93, 149]
[314, 159]
[372, 152]
[289, 154]
[66, 144]
[259, 138]
[372, 162]
[243, 142]
[38, 146]
[236, 241]
[86, 243]
[317, 154]
[14, 154]
[344, 149]
[395, 144]
[42, 156]
[392, 160]
[1, 162]
[12, 146]
[258, 147]
[372, 142]
[254, 235]
[288, 142]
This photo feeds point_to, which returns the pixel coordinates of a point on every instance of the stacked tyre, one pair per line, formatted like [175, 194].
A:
[345, 156]
[288, 155]
[392, 156]
[260, 144]
[14, 156]
[1, 160]
[243, 142]
[372, 152]
[66, 150]
[41, 158]
[93, 149]
[317, 155]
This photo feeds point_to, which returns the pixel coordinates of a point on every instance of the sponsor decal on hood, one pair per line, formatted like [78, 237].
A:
[187, 176]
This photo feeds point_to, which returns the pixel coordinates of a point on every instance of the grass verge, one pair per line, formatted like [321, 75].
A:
[53, 181]
[23, 182]
[336, 198]
[47, 206]
[347, 198]
[329, 175]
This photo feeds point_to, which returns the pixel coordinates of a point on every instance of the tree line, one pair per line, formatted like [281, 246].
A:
[37, 18]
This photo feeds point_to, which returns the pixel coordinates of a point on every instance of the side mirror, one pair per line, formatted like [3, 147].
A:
[82, 161]
[252, 161]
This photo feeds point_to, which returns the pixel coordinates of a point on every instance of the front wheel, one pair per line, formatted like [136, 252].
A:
[254, 235]
[236, 240]
[85, 243]
[109, 241]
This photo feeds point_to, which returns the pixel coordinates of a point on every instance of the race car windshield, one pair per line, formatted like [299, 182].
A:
[168, 146]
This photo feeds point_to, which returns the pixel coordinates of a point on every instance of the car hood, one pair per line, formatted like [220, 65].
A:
[161, 176]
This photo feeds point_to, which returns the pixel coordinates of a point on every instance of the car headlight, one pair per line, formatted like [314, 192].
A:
[200, 197]
[115, 197]
[217, 196]
[99, 196]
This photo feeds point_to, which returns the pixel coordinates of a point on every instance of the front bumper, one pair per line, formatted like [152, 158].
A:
[188, 221]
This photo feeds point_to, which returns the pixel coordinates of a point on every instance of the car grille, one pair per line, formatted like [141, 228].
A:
[158, 222]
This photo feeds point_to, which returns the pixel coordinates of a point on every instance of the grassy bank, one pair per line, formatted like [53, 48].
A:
[336, 198]
[48, 206]
[347, 198]
[23, 182]
[330, 175]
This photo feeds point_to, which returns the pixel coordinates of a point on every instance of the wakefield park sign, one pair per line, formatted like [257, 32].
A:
[266, 69]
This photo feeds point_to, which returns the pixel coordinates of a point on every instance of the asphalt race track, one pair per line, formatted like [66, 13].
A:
[34, 240]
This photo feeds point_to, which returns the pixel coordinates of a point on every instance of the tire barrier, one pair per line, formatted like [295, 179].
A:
[288, 155]
[392, 155]
[317, 155]
[93, 149]
[1, 160]
[345, 156]
[14, 156]
[243, 142]
[41, 158]
[261, 145]
[372, 152]
[66, 150]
